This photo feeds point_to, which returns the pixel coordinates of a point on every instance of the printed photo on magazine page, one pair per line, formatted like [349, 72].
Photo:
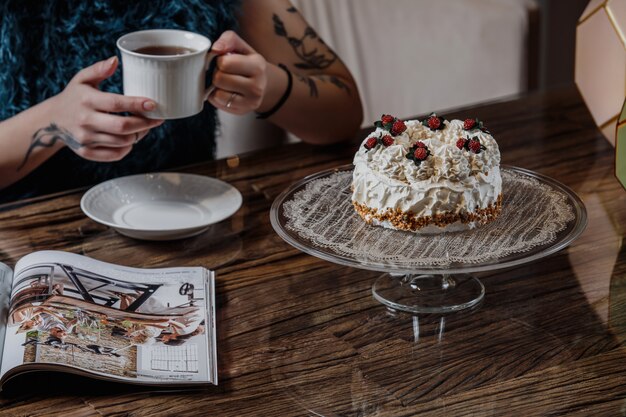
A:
[138, 325]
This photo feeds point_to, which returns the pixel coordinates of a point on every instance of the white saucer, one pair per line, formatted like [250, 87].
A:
[161, 206]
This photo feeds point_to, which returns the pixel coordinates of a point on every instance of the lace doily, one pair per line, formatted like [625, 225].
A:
[533, 213]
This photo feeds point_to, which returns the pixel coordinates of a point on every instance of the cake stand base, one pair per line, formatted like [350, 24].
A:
[428, 293]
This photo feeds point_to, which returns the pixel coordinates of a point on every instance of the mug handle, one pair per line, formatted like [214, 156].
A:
[207, 64]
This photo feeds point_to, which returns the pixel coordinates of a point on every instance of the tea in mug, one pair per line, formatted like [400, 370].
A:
[164, 50]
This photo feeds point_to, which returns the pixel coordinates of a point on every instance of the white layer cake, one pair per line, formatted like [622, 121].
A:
[428, 176]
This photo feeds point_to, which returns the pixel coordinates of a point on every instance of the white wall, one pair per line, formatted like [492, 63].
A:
[415, 56]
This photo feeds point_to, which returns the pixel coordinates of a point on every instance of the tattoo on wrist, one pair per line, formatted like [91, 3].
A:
[307, 47]
[47, 137]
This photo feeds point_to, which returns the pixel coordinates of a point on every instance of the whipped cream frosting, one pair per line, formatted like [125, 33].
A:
[449, 181]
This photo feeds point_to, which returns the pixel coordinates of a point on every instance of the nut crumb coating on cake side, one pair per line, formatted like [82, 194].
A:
[428, 176]
[408, 221]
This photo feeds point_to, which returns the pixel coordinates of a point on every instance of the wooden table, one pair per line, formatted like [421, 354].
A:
[299, 336]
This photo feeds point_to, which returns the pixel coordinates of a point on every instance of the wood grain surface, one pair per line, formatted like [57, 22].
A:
[299, 336]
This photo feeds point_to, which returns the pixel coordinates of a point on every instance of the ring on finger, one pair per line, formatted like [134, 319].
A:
[136, 138]
[229, 103]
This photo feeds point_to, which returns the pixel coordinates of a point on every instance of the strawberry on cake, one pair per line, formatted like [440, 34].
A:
[428, 176]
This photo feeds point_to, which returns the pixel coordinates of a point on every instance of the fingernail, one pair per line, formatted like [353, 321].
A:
[106, 65]
[149, 105]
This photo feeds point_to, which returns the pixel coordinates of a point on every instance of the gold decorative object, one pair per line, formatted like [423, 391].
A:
[601, 61]
[620, 147]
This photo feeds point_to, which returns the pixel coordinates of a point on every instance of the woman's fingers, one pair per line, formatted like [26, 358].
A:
[92, 124]
[229, 41]
[230, 101]
[245, 86]
[104, 153]
[116, 103]
[109, 148]
[240, 79]
[98, 139]
[96, 73]
[241, 89]
[247, 65]
[120, 125]
[141, 135]
[98, 100]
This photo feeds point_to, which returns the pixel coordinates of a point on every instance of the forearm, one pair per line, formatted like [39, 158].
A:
[324, 105]
[26, 141]
[320, 109]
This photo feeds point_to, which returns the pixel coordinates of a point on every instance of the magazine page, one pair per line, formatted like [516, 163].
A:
[138, 325]
[6, 278]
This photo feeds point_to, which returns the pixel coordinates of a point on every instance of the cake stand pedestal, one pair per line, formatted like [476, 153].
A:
[428, 293]
[426, 274]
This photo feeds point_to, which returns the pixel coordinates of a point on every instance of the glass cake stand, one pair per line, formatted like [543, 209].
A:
[429, 273]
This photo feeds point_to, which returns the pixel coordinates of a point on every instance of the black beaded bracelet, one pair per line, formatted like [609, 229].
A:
[283, 99]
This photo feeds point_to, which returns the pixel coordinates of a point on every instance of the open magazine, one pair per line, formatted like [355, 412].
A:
[65, 312]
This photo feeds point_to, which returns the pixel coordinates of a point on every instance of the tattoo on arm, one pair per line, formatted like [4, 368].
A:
[312, 85]
[47, 137]
[306, 47]
[313, 91]
[337, 82]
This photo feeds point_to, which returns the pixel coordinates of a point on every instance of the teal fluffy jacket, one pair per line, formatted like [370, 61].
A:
[43, 44]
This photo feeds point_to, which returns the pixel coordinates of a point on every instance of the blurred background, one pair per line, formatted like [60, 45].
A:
[411, 57]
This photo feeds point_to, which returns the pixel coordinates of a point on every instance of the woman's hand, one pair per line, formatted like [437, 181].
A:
[240, 79]
[86, 122]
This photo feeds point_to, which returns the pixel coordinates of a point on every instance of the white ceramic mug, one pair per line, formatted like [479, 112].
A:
[175, 82]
